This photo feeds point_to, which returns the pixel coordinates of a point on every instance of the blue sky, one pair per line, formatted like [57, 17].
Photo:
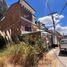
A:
[42, 10]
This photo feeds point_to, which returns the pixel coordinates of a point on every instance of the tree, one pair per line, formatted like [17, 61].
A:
[3, 8]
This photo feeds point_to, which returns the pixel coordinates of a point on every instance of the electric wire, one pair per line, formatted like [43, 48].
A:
[54, 26]
[47, 5]
[63, 8]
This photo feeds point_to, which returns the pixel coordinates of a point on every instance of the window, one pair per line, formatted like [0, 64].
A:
[27, 28]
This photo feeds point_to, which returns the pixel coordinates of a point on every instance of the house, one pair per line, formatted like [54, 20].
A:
[18, 19]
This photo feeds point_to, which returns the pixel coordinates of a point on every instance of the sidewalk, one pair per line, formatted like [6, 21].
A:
[48, 60]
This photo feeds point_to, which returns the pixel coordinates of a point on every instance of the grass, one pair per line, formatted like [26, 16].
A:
[22, 54]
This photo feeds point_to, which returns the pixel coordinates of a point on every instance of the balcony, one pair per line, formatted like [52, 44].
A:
[26, 20]
[28, 17]
[26, 13]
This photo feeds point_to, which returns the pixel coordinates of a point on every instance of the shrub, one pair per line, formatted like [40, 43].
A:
[32, 57]
[2, 42]
[15, 39]
[24, 54]
[20, 38]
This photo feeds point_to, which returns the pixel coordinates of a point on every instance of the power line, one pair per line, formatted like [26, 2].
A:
[63, 8]
[48, 6]
[54, 24]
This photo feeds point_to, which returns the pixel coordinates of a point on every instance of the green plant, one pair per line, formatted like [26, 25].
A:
[21, 38]
[2, 42]
[15, 39]
[24, 54]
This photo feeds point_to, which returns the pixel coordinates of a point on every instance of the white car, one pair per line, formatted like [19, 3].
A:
[63, 45]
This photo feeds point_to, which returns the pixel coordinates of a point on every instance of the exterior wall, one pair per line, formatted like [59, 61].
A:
[26, 23]
[27, 6]
[33, 19]
[26, 13]
[12, 20]
[35, 27]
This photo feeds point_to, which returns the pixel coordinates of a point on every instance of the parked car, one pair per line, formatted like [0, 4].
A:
[63, 45]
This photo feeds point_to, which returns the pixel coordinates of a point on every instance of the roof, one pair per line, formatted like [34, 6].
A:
[24, 3]
[30, 5]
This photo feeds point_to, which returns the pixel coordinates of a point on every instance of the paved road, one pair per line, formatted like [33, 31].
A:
[61, 58]
[55, 58]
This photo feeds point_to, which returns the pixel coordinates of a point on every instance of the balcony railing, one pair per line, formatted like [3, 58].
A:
[25, 19]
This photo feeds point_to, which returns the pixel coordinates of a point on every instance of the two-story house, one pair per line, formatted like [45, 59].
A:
[18, 19]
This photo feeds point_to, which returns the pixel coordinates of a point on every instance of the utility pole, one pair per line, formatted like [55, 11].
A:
[55, 43]
[53, 22]
[54, 26]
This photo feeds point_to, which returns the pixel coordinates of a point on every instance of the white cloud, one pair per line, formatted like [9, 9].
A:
[61, 16]
[58, 16]
[47, 20]
[60, 29]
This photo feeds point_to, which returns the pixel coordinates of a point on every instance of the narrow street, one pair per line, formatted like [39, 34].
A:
[62, 59]
[54, 58]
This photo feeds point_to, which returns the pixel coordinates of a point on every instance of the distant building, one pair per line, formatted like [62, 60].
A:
[65, 36]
